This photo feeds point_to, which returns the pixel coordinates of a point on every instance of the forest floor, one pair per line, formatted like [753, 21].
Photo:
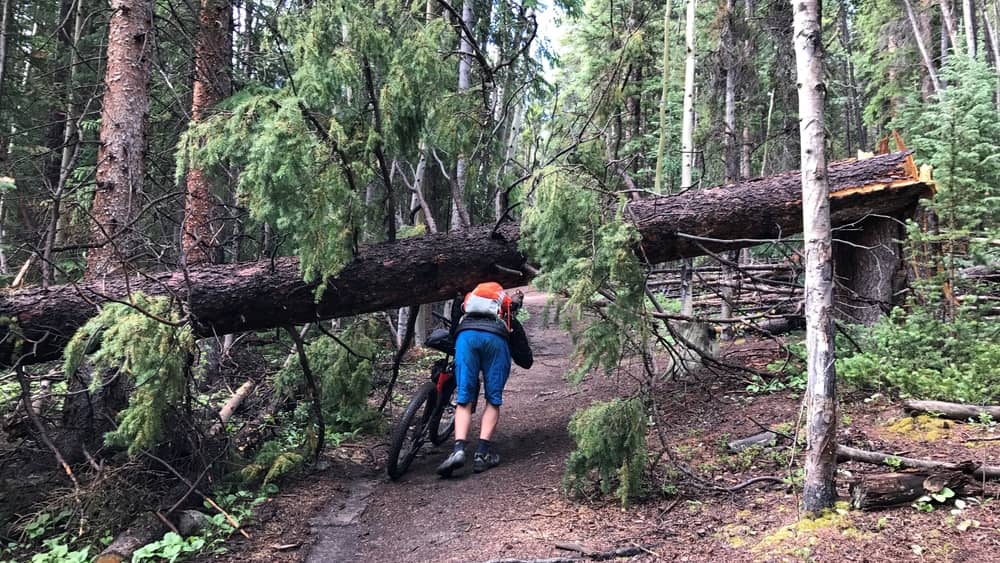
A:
[346, 509]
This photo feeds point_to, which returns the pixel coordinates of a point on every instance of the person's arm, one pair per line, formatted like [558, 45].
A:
[520, 348]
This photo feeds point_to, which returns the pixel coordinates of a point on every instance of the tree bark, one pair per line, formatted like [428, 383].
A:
[121, 156]
[819, 489]
[868, 261]
[199, 240]
[237, 297]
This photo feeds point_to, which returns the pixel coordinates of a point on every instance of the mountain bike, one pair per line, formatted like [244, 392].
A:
[430, 414]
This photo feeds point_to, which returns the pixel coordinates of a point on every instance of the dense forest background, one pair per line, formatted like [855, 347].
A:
[140, 137]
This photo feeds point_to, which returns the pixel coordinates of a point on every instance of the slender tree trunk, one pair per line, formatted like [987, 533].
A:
[854, 118]
[732, 151]
[4, 24]
[199, 240]
[948, 18]
[70, 150]
[687, 144]
[5, 7]
[924, 53]
[971, 32]
[993, 43]
[664, 90]
[121, 156]
[819, 489]
[460, 215]
[687, 123]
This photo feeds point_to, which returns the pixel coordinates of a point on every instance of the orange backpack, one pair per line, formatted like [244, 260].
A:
[488, 299]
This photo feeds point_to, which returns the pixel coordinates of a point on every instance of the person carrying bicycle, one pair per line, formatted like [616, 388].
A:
[489, 336]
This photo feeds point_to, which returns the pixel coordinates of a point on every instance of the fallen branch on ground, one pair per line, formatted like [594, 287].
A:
[879, 458]
[631, 551]
[954, 411]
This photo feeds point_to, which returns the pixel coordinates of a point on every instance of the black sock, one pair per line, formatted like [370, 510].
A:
[459, 446]
[484, 446]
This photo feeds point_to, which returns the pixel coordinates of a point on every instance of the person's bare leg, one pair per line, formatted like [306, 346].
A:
[463, 421]
[490, 418]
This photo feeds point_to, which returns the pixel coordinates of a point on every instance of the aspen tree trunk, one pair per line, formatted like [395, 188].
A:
[993, 41]
[199, 240]
[819, 490]
[969, 17]
[459, 213]
[924, 53]
[948, 17]
[664, 90]
[731, 151]
[121, 156]
[687, 144]
[687, 124]
[4, 24]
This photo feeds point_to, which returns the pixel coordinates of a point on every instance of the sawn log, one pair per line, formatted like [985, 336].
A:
[36, 323]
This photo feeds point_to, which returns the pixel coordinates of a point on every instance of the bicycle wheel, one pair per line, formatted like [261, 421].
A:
[411, 431]
[442, 423]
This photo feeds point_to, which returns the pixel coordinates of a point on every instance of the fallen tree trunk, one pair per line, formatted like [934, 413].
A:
[222, 299]
[954, 411]
[879, 458]
[872, 492]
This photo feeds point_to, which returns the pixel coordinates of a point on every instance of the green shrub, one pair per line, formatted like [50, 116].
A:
[920, 355]
[611, 443]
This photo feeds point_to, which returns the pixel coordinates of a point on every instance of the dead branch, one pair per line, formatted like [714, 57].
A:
[954, 411]
[879, 458]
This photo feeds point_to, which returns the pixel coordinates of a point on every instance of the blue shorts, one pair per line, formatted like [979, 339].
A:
[478, 351]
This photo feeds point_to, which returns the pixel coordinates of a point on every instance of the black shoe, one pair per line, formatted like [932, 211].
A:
[455, 461]
[481, 462]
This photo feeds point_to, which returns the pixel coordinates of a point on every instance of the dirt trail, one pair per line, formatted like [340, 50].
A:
[347, 510]
[506, 511]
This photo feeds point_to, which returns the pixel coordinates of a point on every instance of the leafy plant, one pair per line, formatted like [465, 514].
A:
[59, 552]
[171, 548]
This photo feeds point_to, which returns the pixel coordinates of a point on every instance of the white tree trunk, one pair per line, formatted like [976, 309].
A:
[4, 24]
[687, 123]
[821, 462]
[460, 216]
[687, 144]
[664, 89]
[969, 17]
[924, 53]
[948, 17]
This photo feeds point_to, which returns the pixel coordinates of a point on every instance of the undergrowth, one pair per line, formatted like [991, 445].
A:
[610, 449]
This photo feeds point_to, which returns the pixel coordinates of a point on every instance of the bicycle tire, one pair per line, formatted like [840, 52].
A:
[412, 425]
[438, 433]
